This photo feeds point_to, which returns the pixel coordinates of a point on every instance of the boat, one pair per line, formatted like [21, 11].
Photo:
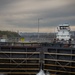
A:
[63, 32]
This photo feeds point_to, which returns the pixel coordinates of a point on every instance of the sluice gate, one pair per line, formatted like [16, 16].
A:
[24, 59]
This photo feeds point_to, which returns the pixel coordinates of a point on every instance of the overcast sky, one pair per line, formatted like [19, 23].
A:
[23, 15]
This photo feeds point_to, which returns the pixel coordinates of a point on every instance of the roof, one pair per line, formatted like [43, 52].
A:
[64, 25]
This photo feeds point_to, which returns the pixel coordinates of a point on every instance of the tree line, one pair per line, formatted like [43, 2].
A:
[9, 34]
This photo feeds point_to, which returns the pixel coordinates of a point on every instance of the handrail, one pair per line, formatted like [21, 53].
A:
[59, 71]
[8, 52]
[59, 60]
[20, 58]
[19, 63]
[59, 54]
[33, 44]
[18, 73]
[59, 65]
[19, 68]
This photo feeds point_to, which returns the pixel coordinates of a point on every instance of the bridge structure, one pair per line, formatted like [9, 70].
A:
[25, 58]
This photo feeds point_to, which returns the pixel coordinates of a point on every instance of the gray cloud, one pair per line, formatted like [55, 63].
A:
[18, 14]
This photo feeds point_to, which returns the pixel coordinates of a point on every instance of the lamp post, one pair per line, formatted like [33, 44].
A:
[38, 27]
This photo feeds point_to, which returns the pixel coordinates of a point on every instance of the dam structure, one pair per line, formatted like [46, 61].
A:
[25, 58]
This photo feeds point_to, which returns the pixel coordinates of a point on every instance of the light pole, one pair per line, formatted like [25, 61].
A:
[38, 27]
